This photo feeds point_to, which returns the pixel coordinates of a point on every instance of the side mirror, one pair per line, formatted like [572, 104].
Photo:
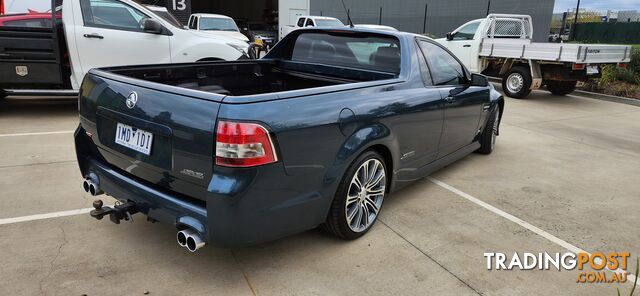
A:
[479, 80]
[449, 36]
[152, 26]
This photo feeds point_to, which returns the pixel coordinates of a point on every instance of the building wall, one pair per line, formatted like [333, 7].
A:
[625, 16]
[442, 15]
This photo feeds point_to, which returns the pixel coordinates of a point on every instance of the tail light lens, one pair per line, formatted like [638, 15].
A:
[240, 144]
[577, 67]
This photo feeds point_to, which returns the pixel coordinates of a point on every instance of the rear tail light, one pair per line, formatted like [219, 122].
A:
[240, 144]
[622, 65]
[578, 66]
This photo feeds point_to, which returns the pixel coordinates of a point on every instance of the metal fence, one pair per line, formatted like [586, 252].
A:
[622, 33]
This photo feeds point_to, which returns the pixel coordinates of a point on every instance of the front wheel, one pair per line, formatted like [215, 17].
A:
[561, 88]
[359, 197]
[517, 83]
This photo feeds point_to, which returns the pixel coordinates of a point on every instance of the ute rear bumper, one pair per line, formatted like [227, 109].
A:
[241, 207]
[153, 203]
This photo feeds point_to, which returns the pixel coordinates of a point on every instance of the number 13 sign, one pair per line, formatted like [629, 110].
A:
[179, 5]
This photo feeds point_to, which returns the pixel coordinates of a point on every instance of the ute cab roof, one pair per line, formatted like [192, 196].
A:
[211, 15]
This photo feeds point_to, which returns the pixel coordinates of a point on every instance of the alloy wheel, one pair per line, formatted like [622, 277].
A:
[365, 195]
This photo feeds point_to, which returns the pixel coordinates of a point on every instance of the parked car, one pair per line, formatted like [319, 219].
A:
[216, 24]
[267, 34]
[99, 34]
[500, 45]
[311, 21]
[318, 132]
[31, 19]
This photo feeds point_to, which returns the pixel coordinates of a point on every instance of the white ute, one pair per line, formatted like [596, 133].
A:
[500, 45]
[310, 21]
[217, 25]
[104, 33]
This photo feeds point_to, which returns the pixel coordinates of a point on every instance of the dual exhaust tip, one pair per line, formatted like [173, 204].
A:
[190, 239]
[91, 185]
[187, 238]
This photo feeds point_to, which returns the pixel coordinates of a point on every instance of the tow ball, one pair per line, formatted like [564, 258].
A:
[120, 211]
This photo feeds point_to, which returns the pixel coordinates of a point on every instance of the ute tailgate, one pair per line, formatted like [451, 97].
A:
[180, 153]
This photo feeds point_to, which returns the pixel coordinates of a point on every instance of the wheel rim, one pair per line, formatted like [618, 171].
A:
[515, 82]
[494, 129]
[365, 195]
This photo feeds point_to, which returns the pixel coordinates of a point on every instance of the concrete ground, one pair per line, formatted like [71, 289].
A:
[567, 165]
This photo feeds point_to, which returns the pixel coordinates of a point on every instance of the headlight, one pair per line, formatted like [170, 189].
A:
[241, 48]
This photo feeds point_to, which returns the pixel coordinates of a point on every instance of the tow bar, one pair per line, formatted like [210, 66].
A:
[120, 211]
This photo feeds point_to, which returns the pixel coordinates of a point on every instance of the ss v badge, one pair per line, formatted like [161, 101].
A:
[192, 173]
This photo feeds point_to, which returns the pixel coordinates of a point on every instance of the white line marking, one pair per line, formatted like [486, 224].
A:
[36, 134]
[554, 239]
[44, 216]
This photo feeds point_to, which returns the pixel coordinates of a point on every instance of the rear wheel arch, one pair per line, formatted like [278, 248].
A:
[336, 221]
[385, 152]
[373, 137]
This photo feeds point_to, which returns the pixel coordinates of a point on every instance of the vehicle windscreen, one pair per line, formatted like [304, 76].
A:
[328, 23]
[165, 15]
[369, 52]
[217, 24]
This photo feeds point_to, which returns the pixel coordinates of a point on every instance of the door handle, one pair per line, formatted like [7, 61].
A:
[467, 45]
[94, 35]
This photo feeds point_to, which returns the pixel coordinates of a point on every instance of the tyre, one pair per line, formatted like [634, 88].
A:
[490, 133]
[561, 88]
[359, 197]
[517, 82]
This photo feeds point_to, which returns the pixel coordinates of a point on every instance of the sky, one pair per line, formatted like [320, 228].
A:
[600, 5]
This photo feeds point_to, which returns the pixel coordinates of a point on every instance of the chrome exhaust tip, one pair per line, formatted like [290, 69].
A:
[85, 185]
[91, 185]
[190, 239]
[182, 238]
[194, 243]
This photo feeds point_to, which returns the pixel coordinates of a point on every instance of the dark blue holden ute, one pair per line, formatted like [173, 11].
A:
[317, 133]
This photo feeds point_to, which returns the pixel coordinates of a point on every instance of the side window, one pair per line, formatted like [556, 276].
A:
[194, 23]
[467, 32]
[444, 68]
[424, 69]
[111, 14]
[310, 23]
[301, 22]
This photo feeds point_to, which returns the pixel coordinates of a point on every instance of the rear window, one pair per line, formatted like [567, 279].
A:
[369, 52]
